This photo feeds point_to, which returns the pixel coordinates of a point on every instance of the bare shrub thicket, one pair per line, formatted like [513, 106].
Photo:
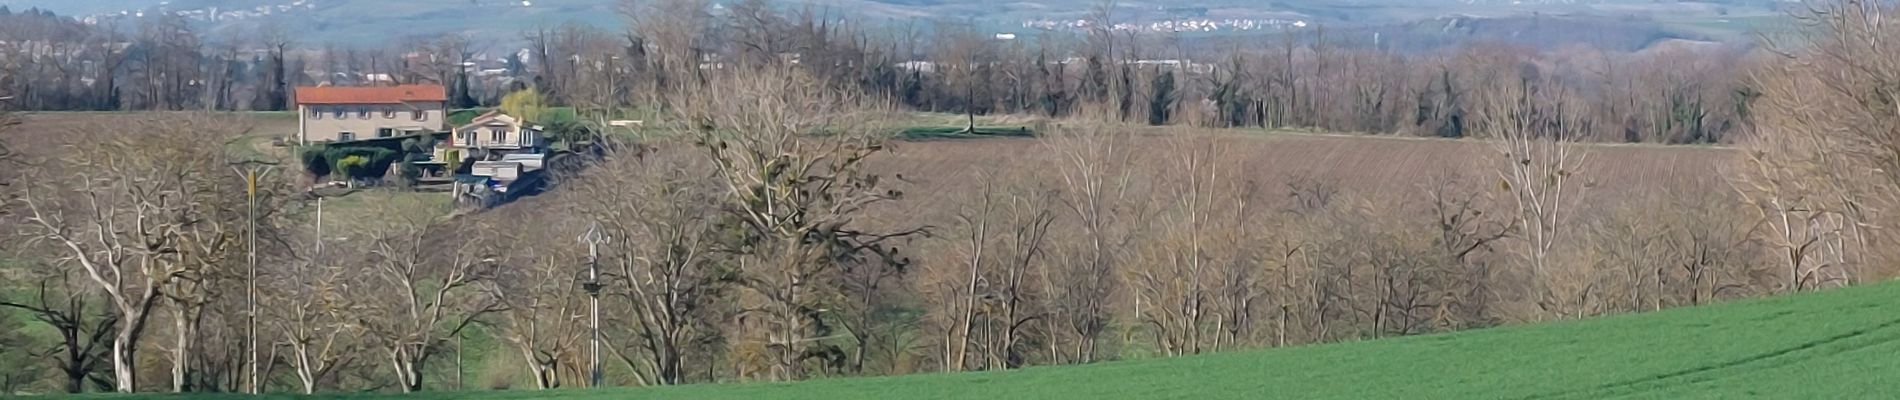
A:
[991, 304]
[1681, 251]
[1820, 171]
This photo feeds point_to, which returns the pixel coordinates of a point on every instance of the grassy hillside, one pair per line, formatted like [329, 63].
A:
[1837, 344]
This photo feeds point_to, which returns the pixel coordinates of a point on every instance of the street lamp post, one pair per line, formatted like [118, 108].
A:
[593, 238]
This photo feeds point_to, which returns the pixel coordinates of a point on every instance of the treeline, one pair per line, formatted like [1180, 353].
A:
[1671, 91]
[55, 63]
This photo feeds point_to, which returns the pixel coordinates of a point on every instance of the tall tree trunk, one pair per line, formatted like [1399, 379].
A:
[181, 351]
[75, 368]
[305, 374]
[408, 369]
[124, 372]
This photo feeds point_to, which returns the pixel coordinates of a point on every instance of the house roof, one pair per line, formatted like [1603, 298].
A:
[371, 94]
[492, 117]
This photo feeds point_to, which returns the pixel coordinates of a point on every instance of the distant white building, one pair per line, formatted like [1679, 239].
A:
[919, 66]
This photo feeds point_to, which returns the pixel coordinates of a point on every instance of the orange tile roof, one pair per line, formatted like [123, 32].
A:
[371, 94]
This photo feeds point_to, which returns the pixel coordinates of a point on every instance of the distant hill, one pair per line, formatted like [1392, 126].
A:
[501, 21]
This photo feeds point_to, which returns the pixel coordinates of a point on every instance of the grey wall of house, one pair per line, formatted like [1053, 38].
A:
[325, 126]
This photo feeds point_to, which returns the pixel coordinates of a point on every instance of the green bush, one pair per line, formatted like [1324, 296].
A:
[314, 161]
[374, 162]
[454, 160]
[353, 165]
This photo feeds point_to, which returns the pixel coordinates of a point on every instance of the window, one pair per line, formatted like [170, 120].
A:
[419, 115]
[389, 114]
[345, 136]
[362, 113]
[339, 113]
[498, 135]
[385, 132]
[314, 113]
[468, 138]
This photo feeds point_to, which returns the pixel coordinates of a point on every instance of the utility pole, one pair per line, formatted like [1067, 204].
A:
[593, 238]
[319, 252]
[251, 171]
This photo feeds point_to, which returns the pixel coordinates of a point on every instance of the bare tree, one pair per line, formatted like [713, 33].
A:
[209, 249]
[311, 310]
[793, 192]
[1465, 237]
[169, 63]
[1028, 214]
[1178, 275]
[967, 62]
[544, 316]
[1684, 249]
[667, 289]
[1532, 126]
[422, 298]
[1787, 183]
[1097, 175]
[66, 305]
[8, 156]
[757, 32]
[677, 32]
[273, 92]
[126, 214]
[976, 223]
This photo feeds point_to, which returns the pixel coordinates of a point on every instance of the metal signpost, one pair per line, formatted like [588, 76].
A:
[593, 238]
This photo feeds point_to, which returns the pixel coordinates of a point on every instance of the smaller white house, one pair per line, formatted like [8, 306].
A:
[497, 134]
[504, 156]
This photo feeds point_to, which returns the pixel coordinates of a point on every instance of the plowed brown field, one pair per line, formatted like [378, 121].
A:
[1373, 168]
[938, 175]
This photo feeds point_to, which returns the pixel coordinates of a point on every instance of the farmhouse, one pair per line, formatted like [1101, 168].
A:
[345, 114]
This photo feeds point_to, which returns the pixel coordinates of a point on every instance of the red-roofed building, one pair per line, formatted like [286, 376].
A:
[343, 114]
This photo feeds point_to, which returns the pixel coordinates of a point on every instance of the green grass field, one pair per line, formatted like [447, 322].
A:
[960, 132]
[1838, 344]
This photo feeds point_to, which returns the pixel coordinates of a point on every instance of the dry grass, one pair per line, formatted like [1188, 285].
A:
[44, 134]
